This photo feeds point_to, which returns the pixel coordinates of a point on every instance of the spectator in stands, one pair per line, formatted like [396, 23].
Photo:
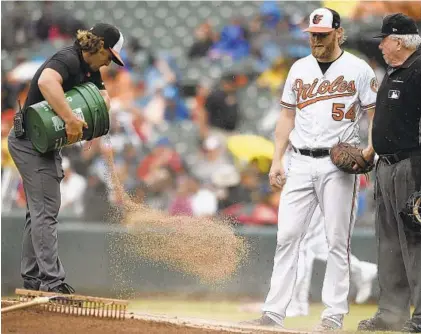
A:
[73, 188]
[159, 74]
[267, 26]
[297, 24]
[265, 211]
[161, 184]
[232, 43]
[204, 39]
[274, 77]
[225, 180]
[249, 188]
[119, 84]
[212, 159]
[222, 107]
[161, 156]
[270, 14]
[181, 203]
[204, 202]
[175, 108]
[248, 194]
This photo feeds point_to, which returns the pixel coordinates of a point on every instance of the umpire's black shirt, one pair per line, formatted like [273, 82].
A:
[72, 68]
[396, 123]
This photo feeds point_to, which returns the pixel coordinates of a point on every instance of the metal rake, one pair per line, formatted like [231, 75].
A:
[71, 304]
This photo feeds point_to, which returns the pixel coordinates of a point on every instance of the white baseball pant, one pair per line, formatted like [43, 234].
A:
[314, 246]
[311, 182]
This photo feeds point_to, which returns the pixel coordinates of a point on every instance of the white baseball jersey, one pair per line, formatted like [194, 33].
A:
[328, 106]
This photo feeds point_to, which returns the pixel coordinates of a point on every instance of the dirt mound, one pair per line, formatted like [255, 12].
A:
[36, 321]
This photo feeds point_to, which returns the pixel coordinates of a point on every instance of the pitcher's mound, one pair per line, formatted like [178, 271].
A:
[37, 321]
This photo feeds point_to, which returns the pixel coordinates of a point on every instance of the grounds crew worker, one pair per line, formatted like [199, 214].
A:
[396, 140]
[41, 268]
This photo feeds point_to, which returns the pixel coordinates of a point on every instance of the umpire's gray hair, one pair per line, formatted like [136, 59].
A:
[411, 42]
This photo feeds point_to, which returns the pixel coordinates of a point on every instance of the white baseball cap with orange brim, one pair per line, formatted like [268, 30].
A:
[113, 39]
[323, 20]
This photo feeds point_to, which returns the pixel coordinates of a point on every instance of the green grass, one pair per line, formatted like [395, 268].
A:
[230, 311]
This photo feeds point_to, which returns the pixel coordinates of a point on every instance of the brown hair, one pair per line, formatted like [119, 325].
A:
[88, 41]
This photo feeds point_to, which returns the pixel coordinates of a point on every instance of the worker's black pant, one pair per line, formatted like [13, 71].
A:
[41, 175]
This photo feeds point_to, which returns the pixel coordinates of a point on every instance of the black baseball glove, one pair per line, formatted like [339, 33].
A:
[411, 214]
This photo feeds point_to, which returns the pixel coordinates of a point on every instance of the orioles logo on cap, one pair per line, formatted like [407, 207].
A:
[317, 18]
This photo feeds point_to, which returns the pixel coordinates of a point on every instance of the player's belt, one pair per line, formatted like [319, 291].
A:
[391, 159]
[317, 153]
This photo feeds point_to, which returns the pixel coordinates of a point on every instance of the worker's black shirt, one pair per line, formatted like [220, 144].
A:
[396, 124]
[72, 68]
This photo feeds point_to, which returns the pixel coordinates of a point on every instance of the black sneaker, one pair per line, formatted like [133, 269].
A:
[264, 320]
[31, 284]
[376, 323]
[63, 288]
[411, 327]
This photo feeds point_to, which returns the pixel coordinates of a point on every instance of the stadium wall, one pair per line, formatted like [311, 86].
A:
[97, 265]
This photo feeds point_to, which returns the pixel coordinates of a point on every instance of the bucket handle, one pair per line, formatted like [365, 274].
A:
[96, 110]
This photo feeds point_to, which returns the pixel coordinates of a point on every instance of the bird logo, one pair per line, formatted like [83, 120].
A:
[317, 18]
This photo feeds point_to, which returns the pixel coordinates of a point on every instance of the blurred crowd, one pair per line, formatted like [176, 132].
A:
[179, 147]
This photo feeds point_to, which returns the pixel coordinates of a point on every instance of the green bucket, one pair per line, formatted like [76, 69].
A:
[46, 129]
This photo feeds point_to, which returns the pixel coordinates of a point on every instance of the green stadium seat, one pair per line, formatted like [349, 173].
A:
[174, 4]
[140, 13]
[162, 13]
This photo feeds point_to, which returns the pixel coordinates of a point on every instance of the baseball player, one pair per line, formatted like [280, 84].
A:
[324, 97]
[314, 246]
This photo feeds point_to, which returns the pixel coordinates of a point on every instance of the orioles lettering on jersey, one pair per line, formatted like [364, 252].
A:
[309, 91]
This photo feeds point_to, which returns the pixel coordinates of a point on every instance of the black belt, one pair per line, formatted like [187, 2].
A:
[391, 159]
[317, 153]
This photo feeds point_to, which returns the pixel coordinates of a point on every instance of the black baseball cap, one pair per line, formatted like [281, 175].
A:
[324, 20]
[113, 39]
[398, 24]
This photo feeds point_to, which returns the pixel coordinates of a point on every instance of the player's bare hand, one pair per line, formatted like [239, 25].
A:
[277, 176]
[74, 130]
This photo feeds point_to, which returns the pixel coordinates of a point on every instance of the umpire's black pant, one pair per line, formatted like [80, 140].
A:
[399, 249]
[41, 175]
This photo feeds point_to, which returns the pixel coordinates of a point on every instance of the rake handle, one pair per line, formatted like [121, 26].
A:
[36, 301]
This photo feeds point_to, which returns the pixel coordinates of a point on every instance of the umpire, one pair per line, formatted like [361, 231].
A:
[41, 268]
[396, 140]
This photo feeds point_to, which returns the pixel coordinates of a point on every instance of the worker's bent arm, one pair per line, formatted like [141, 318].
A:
[49, 84]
